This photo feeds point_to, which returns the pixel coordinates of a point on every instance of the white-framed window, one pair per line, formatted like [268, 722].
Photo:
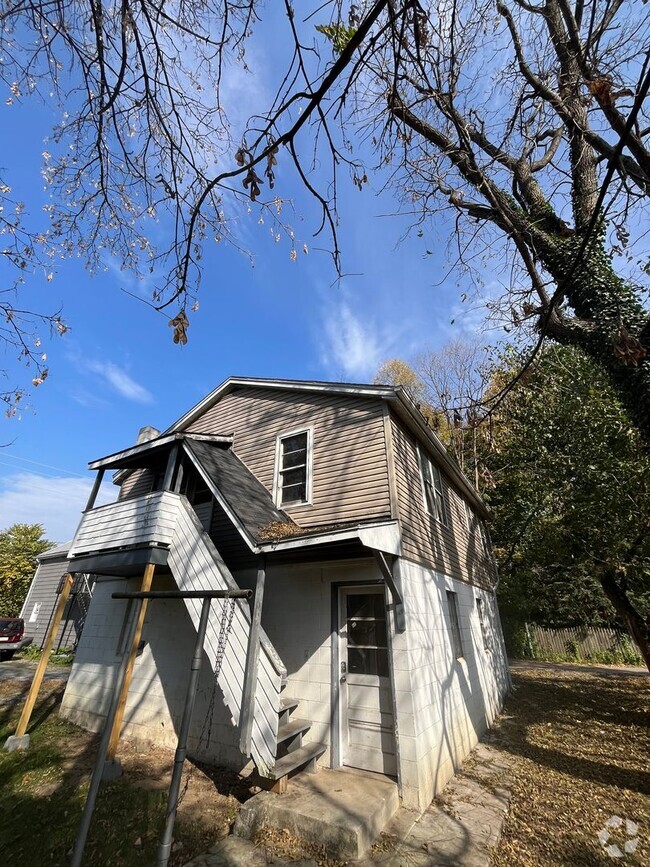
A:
[481, 619]
[293, 468]
[432, 490]
[456, 640]
[33, 617]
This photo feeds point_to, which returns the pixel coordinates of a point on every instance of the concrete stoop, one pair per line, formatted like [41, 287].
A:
[343, 811]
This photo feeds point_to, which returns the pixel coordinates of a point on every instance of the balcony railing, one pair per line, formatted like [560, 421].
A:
[143, 520]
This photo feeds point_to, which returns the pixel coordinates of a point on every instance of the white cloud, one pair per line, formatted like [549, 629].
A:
[120, 381]
[55, 502]
[354, 348]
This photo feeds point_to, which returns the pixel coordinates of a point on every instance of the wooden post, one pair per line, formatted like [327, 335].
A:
[171, 466]
[95, 490]
[126, 683]
[252, 666]
[23, 722]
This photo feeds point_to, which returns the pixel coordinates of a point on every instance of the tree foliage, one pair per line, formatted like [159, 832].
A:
[571, 498]
[20, 545]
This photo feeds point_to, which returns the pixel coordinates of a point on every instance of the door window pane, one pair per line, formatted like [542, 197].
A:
[368, 660]
[367, 633]
[366, 605]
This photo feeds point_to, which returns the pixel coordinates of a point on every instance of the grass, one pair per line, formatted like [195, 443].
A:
[42, 792]
[580, 745]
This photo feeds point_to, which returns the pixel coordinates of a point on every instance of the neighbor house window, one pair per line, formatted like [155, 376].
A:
[456, 641]
[432, 489]
[293, 469]
[481, 619]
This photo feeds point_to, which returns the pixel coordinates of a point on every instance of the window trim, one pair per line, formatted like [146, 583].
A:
[454, 620]
[476, 526]
[439, 496]
[277, 487]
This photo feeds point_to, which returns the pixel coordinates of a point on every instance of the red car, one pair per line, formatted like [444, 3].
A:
[12, 632]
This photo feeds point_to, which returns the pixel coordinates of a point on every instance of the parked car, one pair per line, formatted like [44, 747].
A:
[12, 636]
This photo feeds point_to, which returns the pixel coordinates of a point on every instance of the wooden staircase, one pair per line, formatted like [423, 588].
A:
[291, 755]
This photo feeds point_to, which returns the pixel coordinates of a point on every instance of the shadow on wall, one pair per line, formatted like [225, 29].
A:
[156, 698]
[462, 695]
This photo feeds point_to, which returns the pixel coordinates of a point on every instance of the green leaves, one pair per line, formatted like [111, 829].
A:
[338, 34]
[573, 492]
[20, 545]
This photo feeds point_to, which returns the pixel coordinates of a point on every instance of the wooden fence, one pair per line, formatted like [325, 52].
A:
[580, 642]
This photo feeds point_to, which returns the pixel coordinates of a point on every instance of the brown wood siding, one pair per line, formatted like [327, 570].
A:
[451, 550]
[136, 484]
[350, 469]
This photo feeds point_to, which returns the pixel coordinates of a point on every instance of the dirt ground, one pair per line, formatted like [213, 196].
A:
[578, 739]
[45, 787]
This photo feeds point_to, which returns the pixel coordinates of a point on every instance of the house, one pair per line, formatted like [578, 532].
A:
[380, 646]
[40, 602]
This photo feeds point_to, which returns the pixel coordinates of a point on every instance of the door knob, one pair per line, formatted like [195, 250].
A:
[343, 678]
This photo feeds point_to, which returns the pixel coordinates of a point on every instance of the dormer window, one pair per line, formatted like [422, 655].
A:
[293, 469]
[432, 490]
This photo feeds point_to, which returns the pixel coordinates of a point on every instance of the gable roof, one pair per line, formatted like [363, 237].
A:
[395, 396]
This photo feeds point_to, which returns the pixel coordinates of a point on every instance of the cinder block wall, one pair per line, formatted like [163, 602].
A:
[297, 618]
[444, 704]
[155, 702]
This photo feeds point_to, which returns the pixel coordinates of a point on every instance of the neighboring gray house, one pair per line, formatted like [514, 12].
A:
[42, 596]
[381, 646]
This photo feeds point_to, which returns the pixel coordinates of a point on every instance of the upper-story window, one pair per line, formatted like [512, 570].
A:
[432, 489]
[477, 525]
[293, 468]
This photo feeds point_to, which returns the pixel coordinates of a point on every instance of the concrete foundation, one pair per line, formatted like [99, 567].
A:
[15, 743]
[343, 811]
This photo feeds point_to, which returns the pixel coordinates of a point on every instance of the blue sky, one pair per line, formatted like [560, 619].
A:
[117, 369]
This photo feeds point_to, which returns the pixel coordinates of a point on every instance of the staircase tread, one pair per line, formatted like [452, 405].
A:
[295, 760]
[292, 728]
[287, 703]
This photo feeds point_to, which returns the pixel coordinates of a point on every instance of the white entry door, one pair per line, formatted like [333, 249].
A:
[367, 725]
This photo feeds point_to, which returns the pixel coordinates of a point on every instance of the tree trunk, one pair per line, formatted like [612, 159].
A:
[638, 627]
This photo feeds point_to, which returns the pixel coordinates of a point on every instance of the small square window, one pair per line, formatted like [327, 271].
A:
[432, 490]
[293, 469]
[456, 640]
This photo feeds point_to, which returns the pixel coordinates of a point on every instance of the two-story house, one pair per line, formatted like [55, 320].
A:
[380, 648]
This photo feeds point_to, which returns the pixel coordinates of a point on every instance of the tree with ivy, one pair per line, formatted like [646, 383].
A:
[570, 499]
[20, 545]
[526, 120]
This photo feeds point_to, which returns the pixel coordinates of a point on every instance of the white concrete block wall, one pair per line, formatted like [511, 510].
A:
[156, 697]
[297, 617]
[444, 704]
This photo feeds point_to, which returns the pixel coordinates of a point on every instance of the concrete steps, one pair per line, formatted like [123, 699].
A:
[343, 811]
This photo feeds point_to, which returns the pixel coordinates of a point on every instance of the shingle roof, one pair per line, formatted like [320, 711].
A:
[244, 493]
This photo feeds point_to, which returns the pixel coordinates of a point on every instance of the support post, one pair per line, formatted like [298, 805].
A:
[394, 588]
[171, 466]
[95, 781]
[139, 616]
[20, 740]
[252, 665]
[165, 847]
[95, 490]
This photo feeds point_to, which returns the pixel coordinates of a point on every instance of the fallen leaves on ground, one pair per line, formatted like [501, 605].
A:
[581, 744]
